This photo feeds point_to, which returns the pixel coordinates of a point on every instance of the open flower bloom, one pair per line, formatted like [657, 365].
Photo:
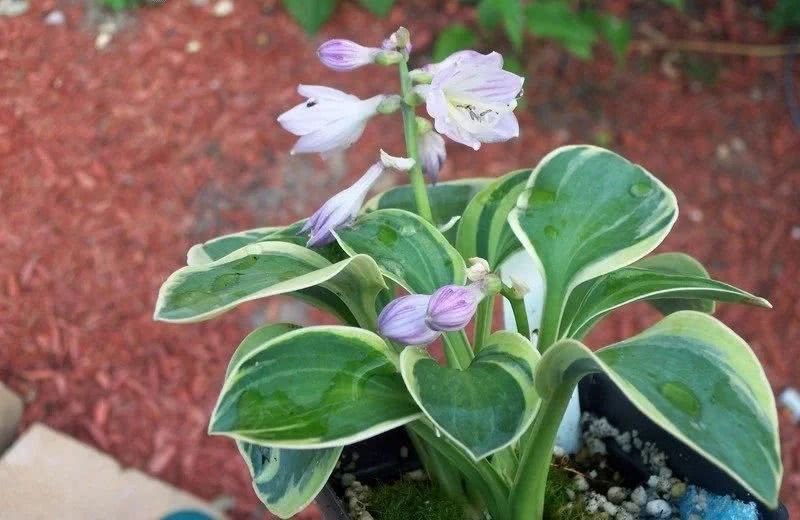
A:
[432, 154]
[403, 320]
[342, 209]
[452, 307]
[472, 99]
[339, 54]
[328, 120]
[493, 59]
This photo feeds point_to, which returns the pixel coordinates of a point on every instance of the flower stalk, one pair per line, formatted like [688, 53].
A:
[415, 175]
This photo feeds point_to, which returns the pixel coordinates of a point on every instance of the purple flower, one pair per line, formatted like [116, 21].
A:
[403, 320]
[472, 99]
[432, 154]
[451, 307]
[328, 120]
[341, 209]
[345, 55]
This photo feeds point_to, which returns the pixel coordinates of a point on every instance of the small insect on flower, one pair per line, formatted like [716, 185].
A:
[452, 307]
[472, 99]
[328, 120]
[403, 320]
[342, 55]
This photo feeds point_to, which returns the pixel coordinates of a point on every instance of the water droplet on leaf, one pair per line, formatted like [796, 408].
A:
[682, 397]
[551, 231]
[387, 236]
[641, 189]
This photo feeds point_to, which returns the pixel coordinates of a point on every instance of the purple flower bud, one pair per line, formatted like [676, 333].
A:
[341, 209]
[451, 307]
[403, 320]
[345, 54]
[432, 154]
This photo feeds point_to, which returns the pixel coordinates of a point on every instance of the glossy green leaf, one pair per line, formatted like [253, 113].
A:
[670, 281]
[285, 480]
[698, 380]
[586, 212]
[484, 229]
[317, 387]
[310, 14]
[378, 7]
[448, 200]
[453, 38]
[224, 245]
[200, 292]
[485, 407]
[407, 249]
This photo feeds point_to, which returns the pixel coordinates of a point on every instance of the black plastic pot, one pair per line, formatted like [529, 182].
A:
[379, 459]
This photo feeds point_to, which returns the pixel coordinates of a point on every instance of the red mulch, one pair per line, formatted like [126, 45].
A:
[113, 162]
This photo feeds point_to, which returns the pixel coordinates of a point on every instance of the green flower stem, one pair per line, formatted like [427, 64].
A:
[527, 495]
[410, 131]
[438, 468]
[519, 310]
[457, 350]
[483, 321]
[551, 318]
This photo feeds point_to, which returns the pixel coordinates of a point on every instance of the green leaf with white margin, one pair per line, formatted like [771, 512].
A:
[485, 407]
[224, 245]
[484, 229]
[585, 212]
[317, 387]
[200, 292]
[408, 249]
[448, 200]
[699, 381]
[285, 480]
[669, 281]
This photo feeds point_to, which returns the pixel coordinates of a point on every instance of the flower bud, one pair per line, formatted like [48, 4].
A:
[339, 54]
[402, 164]
[451, 307]
[388, 57]
[432, 154]
[403, 320]
[519, 287]
[478, 269]
[400, 40]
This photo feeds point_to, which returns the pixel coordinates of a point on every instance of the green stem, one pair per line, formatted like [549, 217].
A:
[438, 468]
[483, 321]
[551, 318]
[410, 131]
[519, 310]
[527, 495]
[457, 350]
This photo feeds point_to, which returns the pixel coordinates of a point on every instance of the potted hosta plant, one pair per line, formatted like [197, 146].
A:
[417, 264]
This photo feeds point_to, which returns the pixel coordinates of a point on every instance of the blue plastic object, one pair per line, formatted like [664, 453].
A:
[708, 506]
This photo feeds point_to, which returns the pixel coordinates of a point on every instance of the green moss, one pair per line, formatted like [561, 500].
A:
[557, 504]
[412, 500]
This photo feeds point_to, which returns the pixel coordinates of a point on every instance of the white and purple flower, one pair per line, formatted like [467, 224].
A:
[432, 154]
[341, 209]
[472, 99]
[328, 120]
[452, 307]
[343, 55]
[403, 320]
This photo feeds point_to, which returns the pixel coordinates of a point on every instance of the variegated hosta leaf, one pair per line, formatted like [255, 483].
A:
[670, 281]
[484, 229]
[316, 387]
[200, 292]
[224, 245]
[285, 480]
[698, 380]
[485, 407]
[407, 249]
[448, 200]
[586, 212]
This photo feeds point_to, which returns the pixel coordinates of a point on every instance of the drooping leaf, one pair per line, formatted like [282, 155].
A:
[317, 387]
[448, 200]
[669, 281]
[555, 19]
[586, 212]
[699, 381]
[310, 14]
[378, 7]
[454, 38]
[407, 249]
[200, 292]
[485, 407]
[484, 229]
[218, 247]
[285, 480]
